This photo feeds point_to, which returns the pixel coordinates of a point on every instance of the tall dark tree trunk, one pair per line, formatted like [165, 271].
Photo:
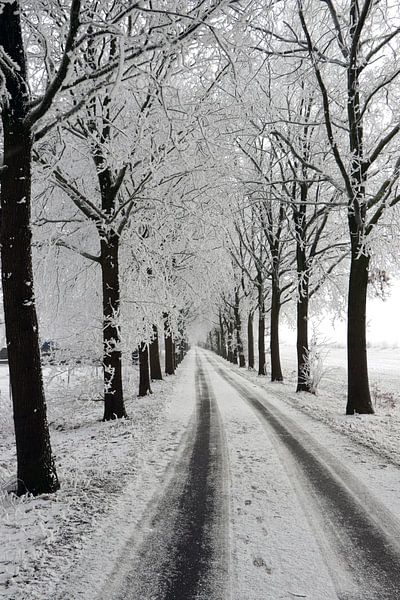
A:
[154, 350]
[261, 325]
[235, 353]
[114, 407]
[210, 342]
[303, 367]
[144, 370]
[303, 372]
[222, 337]
[217, 334]
[231, 353]
[276, 369]
[169, 347]
[181, 350]
[250, 341]
[359, 398]
[238, 327]
[36, 470]
[261, 342]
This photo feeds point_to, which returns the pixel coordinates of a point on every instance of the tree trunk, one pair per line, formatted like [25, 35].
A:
[222, 337]
[250, 341]
[114, 407]
[303, 369]
[238, 326]
[210, 342]
[261, 343]
[219, 351]
[169, 347]
[276, 369]
[359, 398]
[144, 371]
[154, 351]
[261, 326]
[36, 470]
[229, 353]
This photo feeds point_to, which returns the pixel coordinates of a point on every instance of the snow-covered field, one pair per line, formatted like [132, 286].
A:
[383, 362]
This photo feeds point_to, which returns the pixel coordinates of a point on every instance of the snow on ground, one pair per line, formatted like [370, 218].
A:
[274, 552]
[62, 545]
[363, 472]
[379, 432]
[358, 442]
[65, 546]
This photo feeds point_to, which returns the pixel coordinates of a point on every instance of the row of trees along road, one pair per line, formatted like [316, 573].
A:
[188, 161]
[316, 140]
[62, 66]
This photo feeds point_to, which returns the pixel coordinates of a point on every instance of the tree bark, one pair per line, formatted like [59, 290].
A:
[222, 337]
[261, 325]
[238, 327]
[211, 342]
[218, 336]
[114, 407]
[261, 343]
[231, 352]
[235, 353]
[303, 374]
[303, 367]
[182, 352]
[154, 350]
[276, 369]
[250, 341]
[144, 371]
[36, 470]
[359, 398]
[169, 347]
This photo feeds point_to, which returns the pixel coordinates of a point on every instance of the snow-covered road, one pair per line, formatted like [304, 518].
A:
[184, 554]
[259, 507]
[357, 536]
[219, 487]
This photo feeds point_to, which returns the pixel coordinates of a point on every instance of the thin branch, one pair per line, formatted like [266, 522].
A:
[74, 22]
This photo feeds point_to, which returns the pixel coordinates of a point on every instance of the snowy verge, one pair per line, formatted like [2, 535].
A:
[63, 545]
[380, 432]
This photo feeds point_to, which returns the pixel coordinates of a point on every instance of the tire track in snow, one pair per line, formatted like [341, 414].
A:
[359, 538]
[185, 555]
